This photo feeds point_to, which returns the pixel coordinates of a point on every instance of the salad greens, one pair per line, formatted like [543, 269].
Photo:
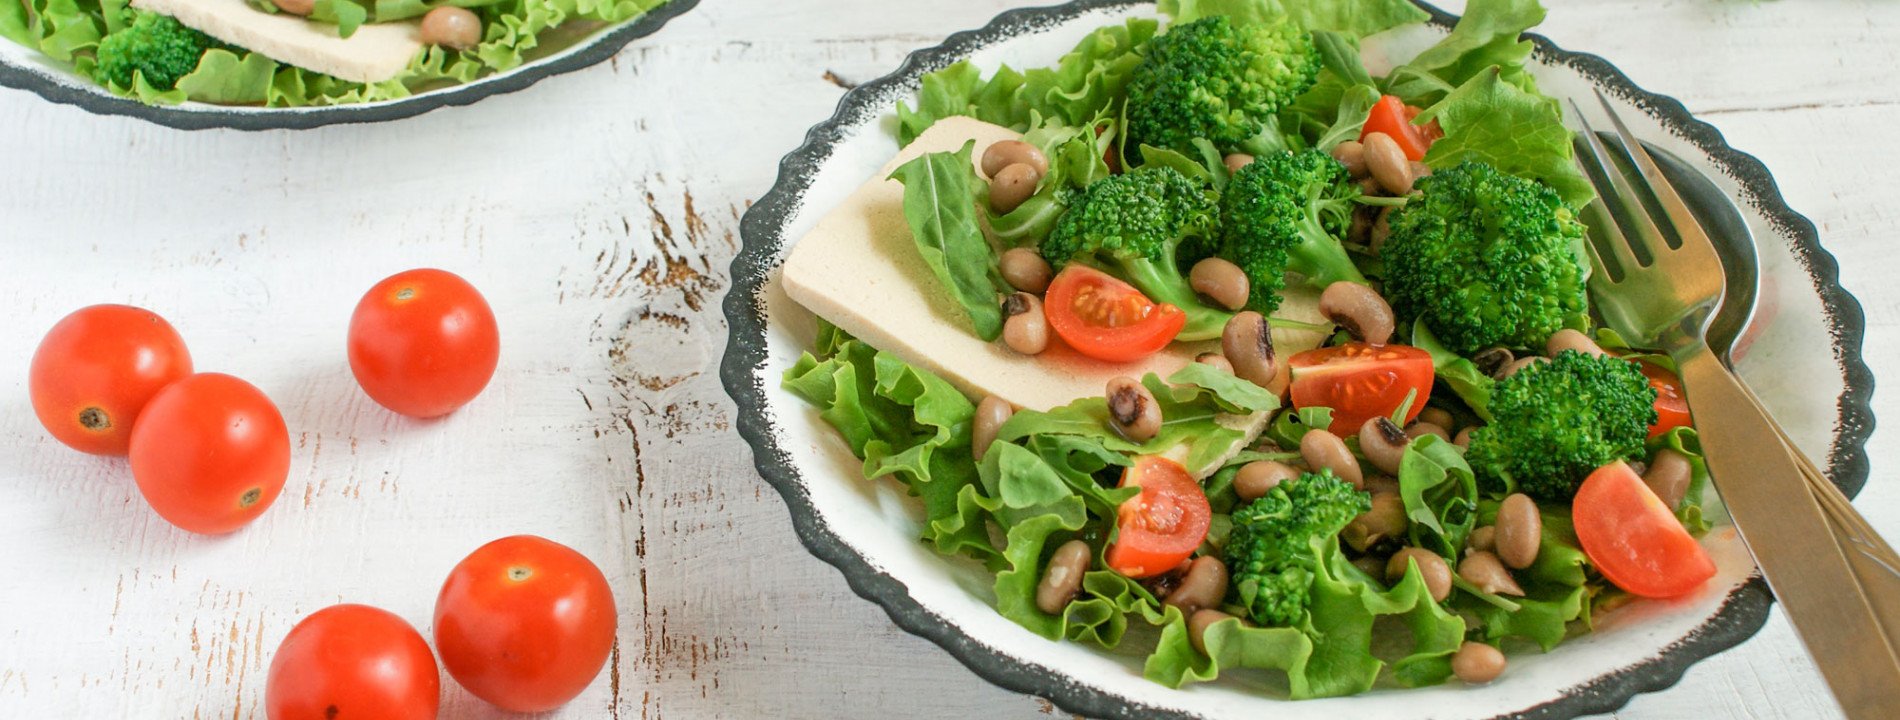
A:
[1219, 134]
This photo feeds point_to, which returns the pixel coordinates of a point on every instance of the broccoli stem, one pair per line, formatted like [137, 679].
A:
[1320, 257]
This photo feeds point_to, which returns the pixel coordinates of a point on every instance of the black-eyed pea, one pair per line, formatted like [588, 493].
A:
[1324, 450]
[1132, 410]
[1025, 270]
[1062, 579]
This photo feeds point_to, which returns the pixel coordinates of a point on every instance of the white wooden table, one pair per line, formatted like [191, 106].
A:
[598, 212]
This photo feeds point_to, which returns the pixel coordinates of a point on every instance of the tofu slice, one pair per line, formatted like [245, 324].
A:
[374, 53]
[860, 269]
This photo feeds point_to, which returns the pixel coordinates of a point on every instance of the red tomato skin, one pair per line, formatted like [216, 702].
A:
[1157, 325]
[1672, 409]
[210, 453]
[1632, 537]
[1394, 118]
[1170, 494]
[95, 371]
[352, 661]
[1360, 382]
[423, 342]
[528, 644]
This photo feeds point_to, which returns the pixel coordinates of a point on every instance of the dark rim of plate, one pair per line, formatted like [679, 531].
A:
[203, 116]
[1742, 613]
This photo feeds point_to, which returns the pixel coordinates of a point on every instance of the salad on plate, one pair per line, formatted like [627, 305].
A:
[1212, 328]
[296, 53]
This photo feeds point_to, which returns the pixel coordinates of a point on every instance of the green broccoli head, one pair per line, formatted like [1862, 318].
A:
[1485, 259]
[1284, 213]
[1134, 225]
[1554, 423]
[154, 46]
[1275, 546]
[1217, 80]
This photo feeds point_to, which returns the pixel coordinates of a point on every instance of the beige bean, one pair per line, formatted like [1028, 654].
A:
[1436, 572]
[1519, 364]
[1437, 416]
[1492, 361]
[1011, 186]
[1025, 329]
[1387, 164]
[1025, 270]
[1062, 579]
[1383, 443]
[1463, 439]
[1421, 429]
[1484, 570]
[1381, 230]
[1639, 467]
[1351, 154]
[1484, 539]
[1568, 339]
[1370, 187]
[1257, 477]
[1668, 476]
[1381, 483]
[295, 7]
[1236, 161]
[1247, 342]
[1359, 310]
[450, 27]
[1203, 586]
[1215, 359]
[1372, 565]
[990, 415]
[1360, 229]
[1221, 281]
[1132, 410]
[1520, 531]
[1198, 624]
[1005, 153]
[1477, 663]
[1386, 519]
[1322, 449]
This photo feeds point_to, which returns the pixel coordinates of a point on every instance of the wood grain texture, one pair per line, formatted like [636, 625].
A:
[598, 211]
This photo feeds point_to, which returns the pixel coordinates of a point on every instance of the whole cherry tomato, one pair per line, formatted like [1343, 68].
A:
[210, 453]
[95, 371]
[525, 623]
[352, 661]
[423, 342]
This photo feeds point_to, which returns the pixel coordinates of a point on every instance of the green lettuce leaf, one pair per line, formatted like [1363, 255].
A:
[223, 78]
[1357, 18]
[940, 195]
[1191, 420]
[1440, 495]
[1516, 131]
[1690, 511]
[1485, 37]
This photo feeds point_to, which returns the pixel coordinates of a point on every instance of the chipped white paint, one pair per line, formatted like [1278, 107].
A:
[598, 212]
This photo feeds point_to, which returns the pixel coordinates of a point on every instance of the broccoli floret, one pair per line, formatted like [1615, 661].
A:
[1217, 80]
[1485, 259]
[1276, 544]
[155, 46]
[1285, 212]
[1554, 423]
[1134, 225]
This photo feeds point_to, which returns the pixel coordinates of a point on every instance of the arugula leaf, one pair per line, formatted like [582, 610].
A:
[940, 206]
[1357, 18]
[1519, 132]
[1461, 375]
[1075, 160]
[1355, 105]
[1192, 421]
[1195, 381]
[1486, 36]
[1440, 495]
[1287, 428]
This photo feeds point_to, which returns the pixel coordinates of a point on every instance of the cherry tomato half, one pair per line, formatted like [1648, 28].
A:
[352, 661]
[1672, 409]
[97, 368]
[1361, 382]
[1107, 319]
[525, 623]
[423, 342]
[210, 453]
[1633, 538]
[1394, 118]
[1162, 526]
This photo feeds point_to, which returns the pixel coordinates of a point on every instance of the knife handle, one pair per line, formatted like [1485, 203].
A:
[1791, 538]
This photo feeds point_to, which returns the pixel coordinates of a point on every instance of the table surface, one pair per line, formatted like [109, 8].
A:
[598, 212]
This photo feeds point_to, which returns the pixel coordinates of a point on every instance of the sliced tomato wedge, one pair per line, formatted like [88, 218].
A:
[1633, 538]
[1394, 118]
[1672, 409]
[1107, 319]
[1163, 525]
[1361, 382]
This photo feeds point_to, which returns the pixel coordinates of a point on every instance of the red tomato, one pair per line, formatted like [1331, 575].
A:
[1633, 538]
[210, 453]
[1107, 319]
[1163, 525]
[352, 661]
[423, 342]
[1672, 410]
[1394, 118]
[97, 368]
[1361, 382]
[525, 623]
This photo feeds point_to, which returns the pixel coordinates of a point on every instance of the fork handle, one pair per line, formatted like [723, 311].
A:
[1791, 538]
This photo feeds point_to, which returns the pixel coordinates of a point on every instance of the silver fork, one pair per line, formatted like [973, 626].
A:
[1663, 296]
